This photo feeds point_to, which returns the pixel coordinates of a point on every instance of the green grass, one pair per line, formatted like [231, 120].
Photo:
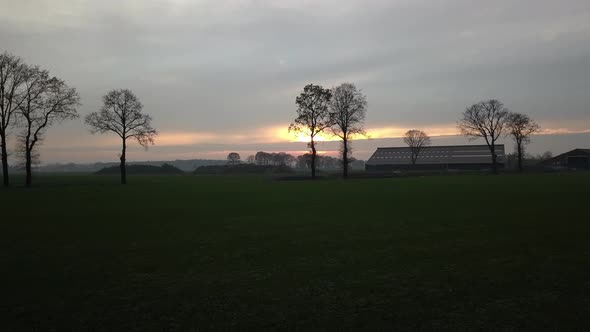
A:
[216, 253]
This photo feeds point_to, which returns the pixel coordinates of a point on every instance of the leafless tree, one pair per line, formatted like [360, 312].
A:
[233, 158]
[521, 127]
[12, 70]
[416, 140]
[287, 159]
[121, 113]
[251, 159]
[348, 109]
[276, 159]
[313, 116]
[323, 162]
[262, 158]
[46, 101]
[487, 120]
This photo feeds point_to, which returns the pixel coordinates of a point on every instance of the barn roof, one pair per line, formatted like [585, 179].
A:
[451, 154]
[565, 154]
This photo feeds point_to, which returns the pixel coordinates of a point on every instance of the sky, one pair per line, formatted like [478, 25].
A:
[222, 75]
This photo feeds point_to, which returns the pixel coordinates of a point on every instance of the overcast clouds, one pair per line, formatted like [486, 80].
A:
[221, 72]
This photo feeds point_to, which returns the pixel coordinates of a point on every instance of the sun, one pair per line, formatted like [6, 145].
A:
[303, 137]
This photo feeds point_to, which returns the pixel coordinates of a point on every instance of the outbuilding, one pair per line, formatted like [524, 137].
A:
[452, 157]
[574, 159]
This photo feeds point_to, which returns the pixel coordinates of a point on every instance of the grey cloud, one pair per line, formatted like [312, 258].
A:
[226, 65]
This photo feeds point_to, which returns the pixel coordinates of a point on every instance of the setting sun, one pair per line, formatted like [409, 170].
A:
[283, 134]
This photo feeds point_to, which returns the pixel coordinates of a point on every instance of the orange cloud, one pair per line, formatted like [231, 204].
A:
[394, 132]
[272, 134]
[185, 138]
[562, 131]
[282, 134]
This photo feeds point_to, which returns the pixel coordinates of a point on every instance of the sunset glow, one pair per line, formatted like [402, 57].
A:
[283, 135]
[395, 132]
[280, 134]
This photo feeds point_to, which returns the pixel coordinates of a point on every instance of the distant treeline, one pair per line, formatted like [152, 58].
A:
[184, 165]
[142, 169]
[243, 169]
[300, 162]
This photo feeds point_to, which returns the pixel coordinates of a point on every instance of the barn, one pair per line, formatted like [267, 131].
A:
[452, 157]
[575, 159]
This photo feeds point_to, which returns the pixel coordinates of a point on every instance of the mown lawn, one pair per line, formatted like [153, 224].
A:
[215, 253]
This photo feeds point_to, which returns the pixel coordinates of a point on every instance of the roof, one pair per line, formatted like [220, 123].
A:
[450, 154]
[571, 153]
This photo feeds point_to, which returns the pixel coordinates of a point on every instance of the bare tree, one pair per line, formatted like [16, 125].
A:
[46, 101]
[262, 158]
[313, 116]
[285, 159]
[348, 109]
[251, 159]
[233, 158]
[521, 127]
[487, 120]
[303, 161]
[276, 159]
[416, 140]
[121, 113]
[11, 77]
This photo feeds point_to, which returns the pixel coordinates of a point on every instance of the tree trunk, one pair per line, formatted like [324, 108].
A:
[28, 157]
[4, 160]
[519, 148]
[28, 168]
[313, 155]
[345, 157]
[494, 158]
[123, 166]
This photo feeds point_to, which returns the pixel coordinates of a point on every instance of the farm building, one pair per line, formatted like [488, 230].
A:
[455, 157]
[575, 159]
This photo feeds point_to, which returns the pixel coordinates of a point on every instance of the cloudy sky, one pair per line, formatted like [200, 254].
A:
[222, 75]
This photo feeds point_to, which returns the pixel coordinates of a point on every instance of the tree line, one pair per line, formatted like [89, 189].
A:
[341, 112]
[31, 100]
[489, 120]
[284, 159]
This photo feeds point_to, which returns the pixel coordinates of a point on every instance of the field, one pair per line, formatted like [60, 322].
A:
[250, 253]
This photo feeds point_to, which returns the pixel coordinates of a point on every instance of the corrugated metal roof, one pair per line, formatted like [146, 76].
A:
[452, 154]
[565, 155]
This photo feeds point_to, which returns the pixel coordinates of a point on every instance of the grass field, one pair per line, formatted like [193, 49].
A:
[216, 253]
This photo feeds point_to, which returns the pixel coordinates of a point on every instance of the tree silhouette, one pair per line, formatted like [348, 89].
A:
[416, 140]
[313, 116]
[233, 158]
[487, 120]
[348, 109]
[121, 113]
[12, 70]
[521, 127]
[46, 101]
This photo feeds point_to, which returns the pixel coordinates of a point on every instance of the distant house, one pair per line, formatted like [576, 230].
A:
[575, 159]
[454, 157]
